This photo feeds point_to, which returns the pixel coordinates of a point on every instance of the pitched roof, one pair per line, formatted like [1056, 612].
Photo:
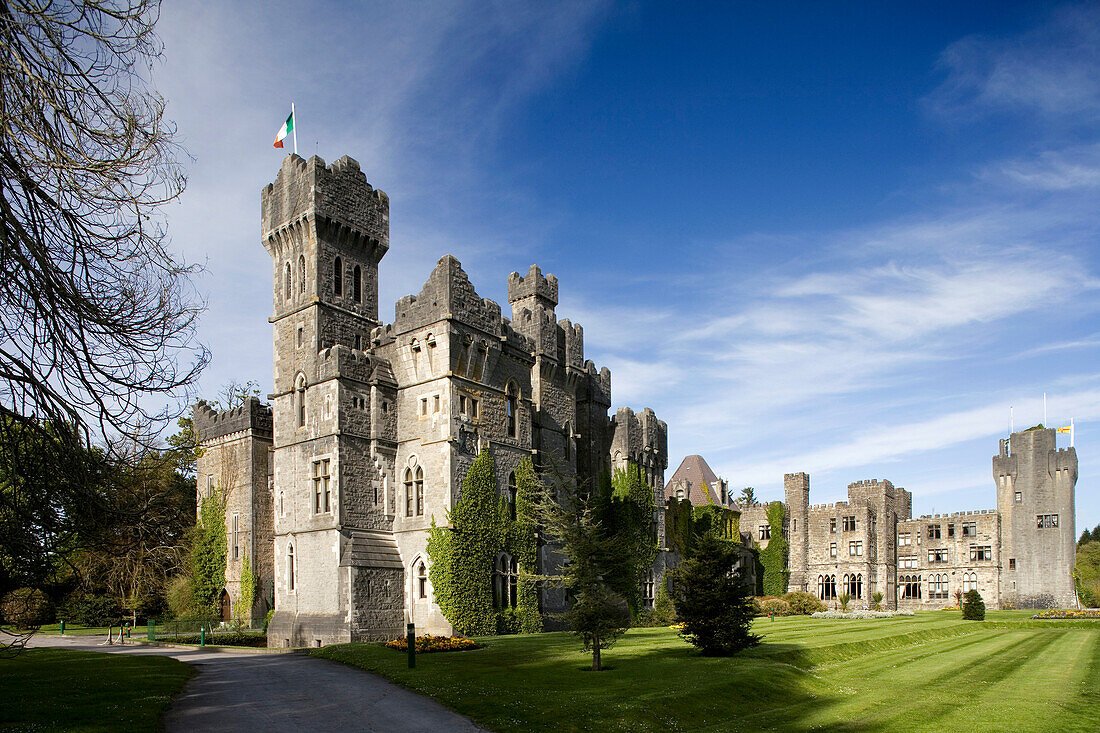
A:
[694, 471]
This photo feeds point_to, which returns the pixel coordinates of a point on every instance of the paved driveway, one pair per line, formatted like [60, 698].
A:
[283, 692]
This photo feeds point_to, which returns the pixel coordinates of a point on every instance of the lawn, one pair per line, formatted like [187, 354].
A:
[60, 689]
[932, 671]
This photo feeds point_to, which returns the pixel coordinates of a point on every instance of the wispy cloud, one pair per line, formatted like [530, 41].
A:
[1050, 70]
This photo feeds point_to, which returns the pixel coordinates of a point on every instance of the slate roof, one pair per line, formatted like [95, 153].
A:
[694, 471]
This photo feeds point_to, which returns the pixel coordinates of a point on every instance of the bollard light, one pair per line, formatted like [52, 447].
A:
[62, 627]
[202, 636]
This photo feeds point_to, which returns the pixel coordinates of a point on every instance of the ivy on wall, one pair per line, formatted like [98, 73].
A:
[626, 509]
[462, 556]
[678, 525]
[773, 558]
[716, 521]
[208, 550]
[249, 582]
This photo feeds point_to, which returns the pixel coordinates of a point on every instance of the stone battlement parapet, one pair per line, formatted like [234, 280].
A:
[211, 424]
[533, 284]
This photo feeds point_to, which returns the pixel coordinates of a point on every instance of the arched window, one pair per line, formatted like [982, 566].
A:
[421, 580]
[338, 276]
[505, 581]
[300, 394]
[566, 441]
[288, 286]
[830, 587]
[419, 481]
[290, 567]
[647, 589]
[512, 493]
[409, 496]
[511, 409]
[357, 284]
[301, 273]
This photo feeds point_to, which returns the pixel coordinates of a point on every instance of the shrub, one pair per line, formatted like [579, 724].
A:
[179, 596]
[775, 607]
[26, 608]
[803, 603]
[844, 599]
[267, 619]
[85, 609]
[714, 603]
[973, 606]
[876, 600]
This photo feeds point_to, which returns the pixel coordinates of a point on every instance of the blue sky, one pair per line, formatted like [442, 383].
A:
[814, 237]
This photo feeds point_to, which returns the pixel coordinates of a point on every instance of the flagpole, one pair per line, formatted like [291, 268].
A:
[1044, 393]
[1071, 432]
[294, 128]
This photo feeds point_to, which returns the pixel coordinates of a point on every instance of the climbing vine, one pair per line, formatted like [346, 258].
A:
[678, 525]
[773, 558]
[249, 581]
[208, 549]
[462, 556]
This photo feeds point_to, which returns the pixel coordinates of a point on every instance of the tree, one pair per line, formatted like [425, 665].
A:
[594, 560]
[624, 508]
[1086, 574]
[132, 554]
[98, 316]
[712, 601]
[973, 608]
[748, 497]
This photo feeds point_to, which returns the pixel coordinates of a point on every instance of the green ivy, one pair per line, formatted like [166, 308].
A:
[678, 525]
[249, 581]
[208, 550]
[462, 556]
[773, 558]
[716, 521]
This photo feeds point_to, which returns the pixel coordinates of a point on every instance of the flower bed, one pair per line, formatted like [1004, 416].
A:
[1055, 614]
[860, 614]
[428, 644]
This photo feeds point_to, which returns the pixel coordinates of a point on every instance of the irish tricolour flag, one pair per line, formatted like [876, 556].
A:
[285, 130]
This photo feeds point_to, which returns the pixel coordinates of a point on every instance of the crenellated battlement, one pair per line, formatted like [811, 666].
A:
[572, 347]
[534, 284]
[211, 424]
[447, 293]
[337, 194]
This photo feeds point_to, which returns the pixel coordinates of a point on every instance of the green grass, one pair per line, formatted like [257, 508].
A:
[60, 689]
[932, 671]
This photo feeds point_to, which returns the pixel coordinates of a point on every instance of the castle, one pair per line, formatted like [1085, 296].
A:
[372, 427]
[1019, 554]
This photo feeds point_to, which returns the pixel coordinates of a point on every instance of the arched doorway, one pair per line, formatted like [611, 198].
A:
[226, 606]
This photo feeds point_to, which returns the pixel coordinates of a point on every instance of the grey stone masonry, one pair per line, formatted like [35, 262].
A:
[1020, 554]
[372, 426]
[234, 463]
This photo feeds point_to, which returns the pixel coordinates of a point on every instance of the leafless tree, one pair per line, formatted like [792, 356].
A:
[97, 315]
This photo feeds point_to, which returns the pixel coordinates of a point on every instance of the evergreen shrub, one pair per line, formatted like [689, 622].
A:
[712, 602]
[775, 607]
[973, 606]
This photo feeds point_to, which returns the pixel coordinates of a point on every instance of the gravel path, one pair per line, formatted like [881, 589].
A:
[282, 692]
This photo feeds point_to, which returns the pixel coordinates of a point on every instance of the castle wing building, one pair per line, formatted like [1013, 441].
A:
[374, 425]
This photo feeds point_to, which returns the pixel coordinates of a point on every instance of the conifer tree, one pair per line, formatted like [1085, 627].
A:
[712, 601]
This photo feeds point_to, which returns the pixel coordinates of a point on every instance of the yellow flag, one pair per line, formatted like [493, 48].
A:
[1066, 429]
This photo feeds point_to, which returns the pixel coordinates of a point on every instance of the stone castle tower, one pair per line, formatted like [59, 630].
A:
[326, 229]
[374, 425]
[1035, 498]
